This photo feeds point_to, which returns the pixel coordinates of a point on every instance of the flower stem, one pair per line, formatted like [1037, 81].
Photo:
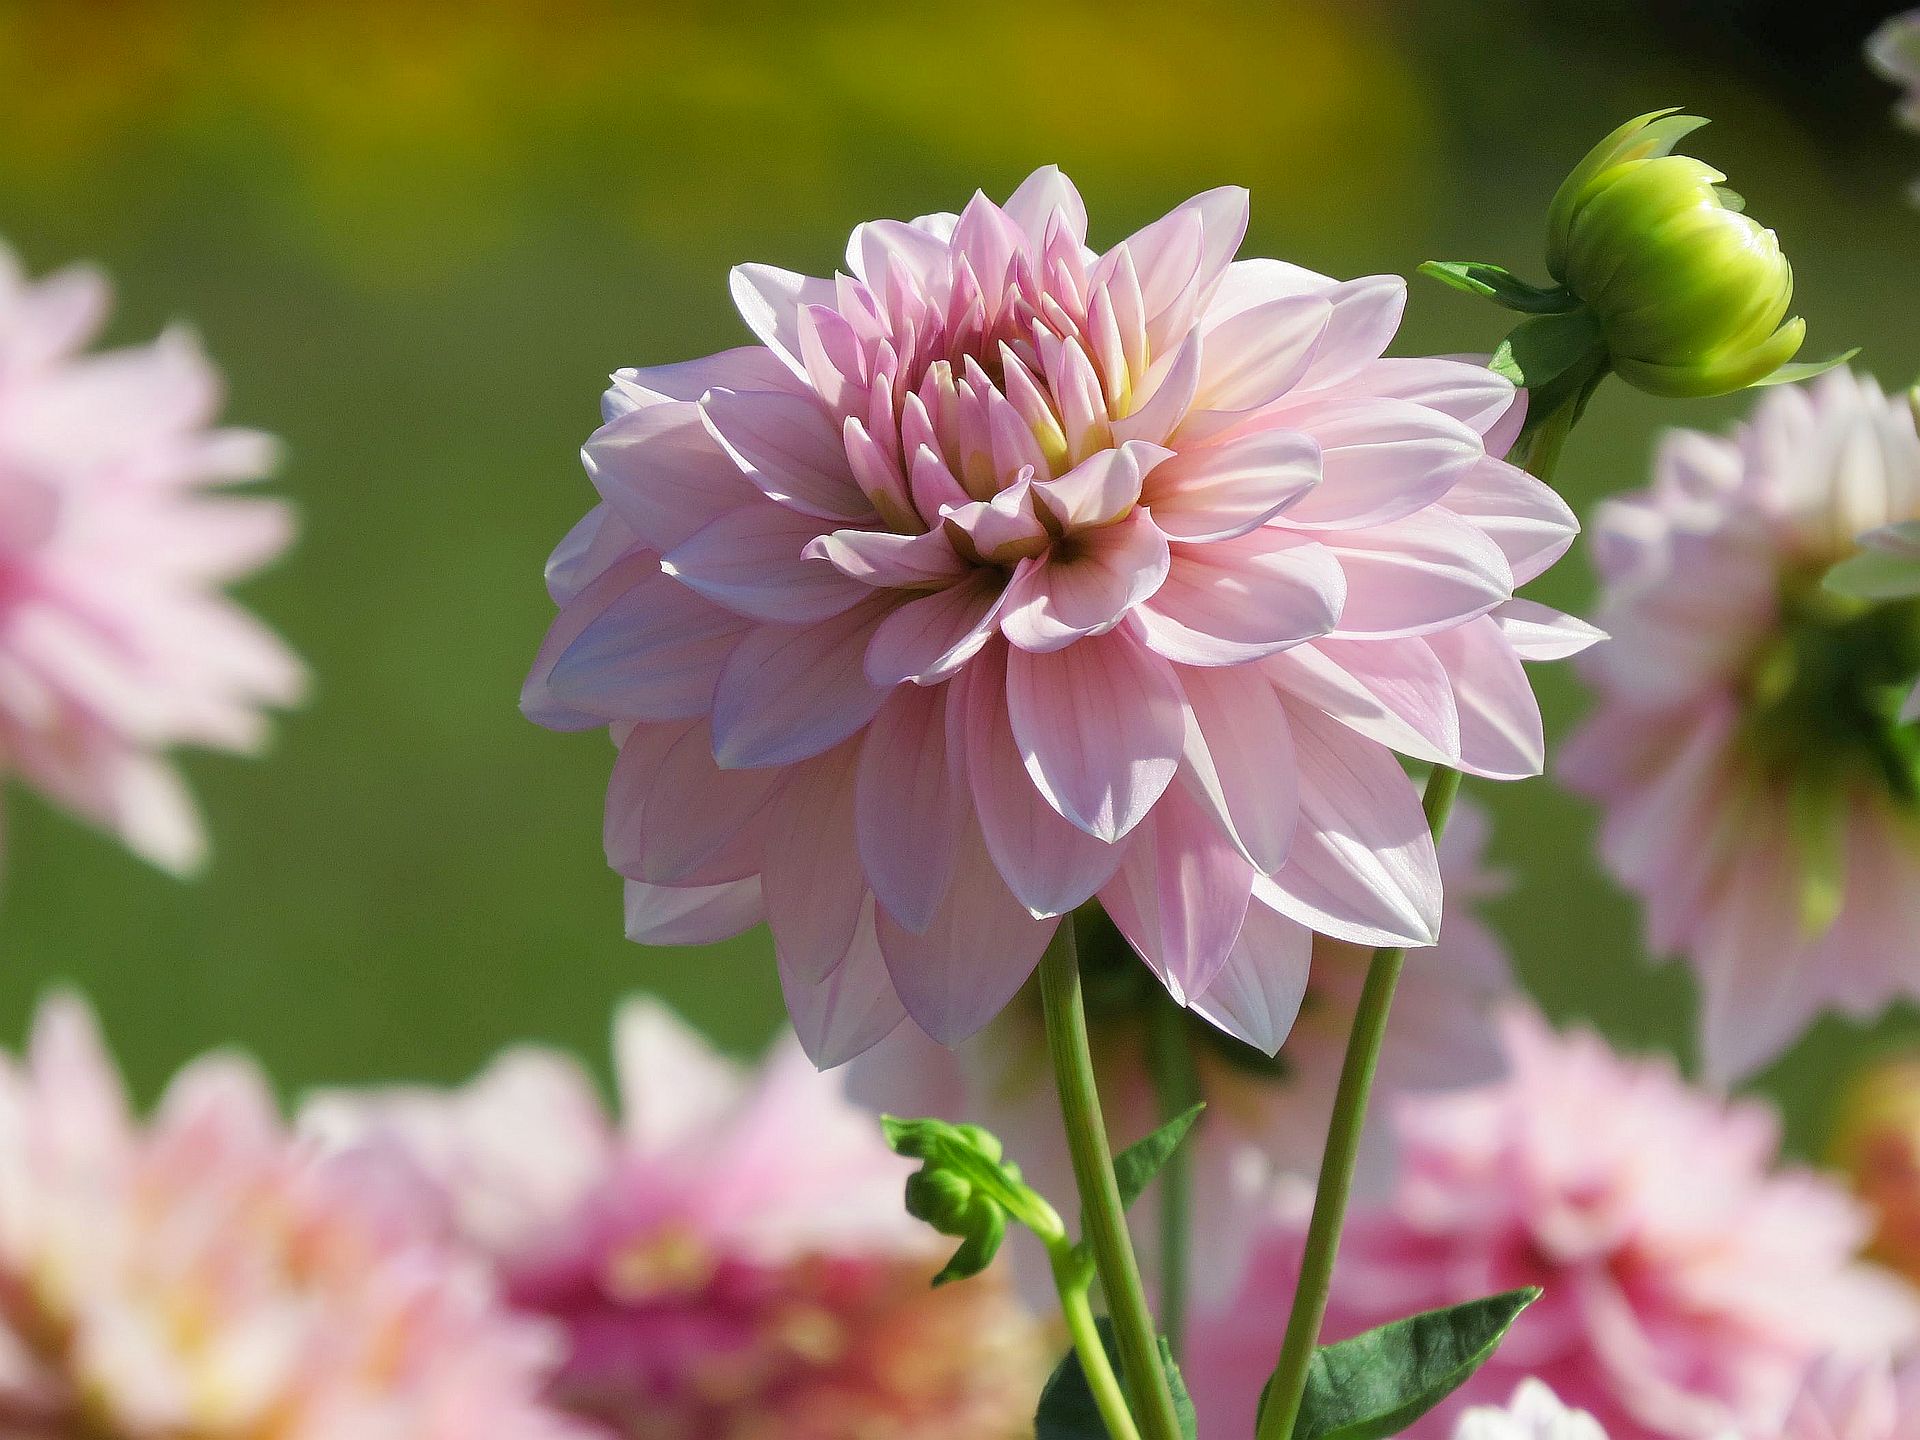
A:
[1105, 1219]
[1177, 1086]
[1073, 1279]
[1289, 1383]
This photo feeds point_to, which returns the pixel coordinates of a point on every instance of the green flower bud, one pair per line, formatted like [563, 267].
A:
[1691, 295]
[966, 1188]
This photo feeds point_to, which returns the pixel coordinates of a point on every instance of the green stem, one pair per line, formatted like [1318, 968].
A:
[1285, 1391]
[1073, 1279]
[1177, 1086]
[1105, 1219]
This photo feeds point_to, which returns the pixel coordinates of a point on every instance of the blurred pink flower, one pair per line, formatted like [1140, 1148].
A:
[1174, 560]
[732, 1258]
[206, 1275]
[115, 641]
[1854, 1402]
[1894, 51]
[1534, 1413]
[1266, 1118]
[1690, 1284]
[1760, 796]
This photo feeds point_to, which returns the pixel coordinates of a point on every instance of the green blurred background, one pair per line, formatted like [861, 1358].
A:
[417, 237]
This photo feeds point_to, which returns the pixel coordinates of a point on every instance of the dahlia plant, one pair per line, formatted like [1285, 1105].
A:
[1012, 598]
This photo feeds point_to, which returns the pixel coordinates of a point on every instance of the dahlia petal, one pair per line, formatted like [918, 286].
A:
[933, 486]
[1163, 396]
[1426, 572]
[1256, 995]
[1239, 759]
[1251, 359]
[789, 692]
[1085, 586]
[1102, 488]
[852, 1010]
[786, 445]
[675, 818]
[1180, 894]
[1538, 632]
[975, 953]
[1215, 492]
[1041, 195]
[1003, 529]
[1366, 311]
[1472, 394]
[810, 874]
[1232, 601]
[692, 914]
[1380, 460]
[1051, 866]
[1100, 726]
[1362, 867]
[770, 299]
[586, 552]
[886, 559]
[1394, 691]
[925, 255]
[987, 240]
[928, 639]
[756, 562]
[1181, 256]
[634, 645]
[660, 472]
[749, 367]
[910, 809]
[1530, 523]
[1500, 729]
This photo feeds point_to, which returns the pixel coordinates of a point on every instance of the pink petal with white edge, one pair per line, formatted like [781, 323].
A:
[662, 474]
[755, 561]
[1239, 759]
[770, 300]
[853, 1009]
[786, 445]
[1233, 601]
[1256, 996]
[976, 952]
[1102, 488]
[927, 640]
[692, 914]
[1531, 524]
[1394, 691]
[1181, 256]
[1250, 360]
[910, 805]
[1180, 894]
[884, 559]
[1215, 492]
[1041, 194]
[1050, 865]
[873, 245]
[1085, 585]
[810, 875]
[1427, 572]
[1380, 460]
[675, 818]
[1366, 311]
[634, 645]
[1500, 731]
[749, 367]
[1472, 394]
[1100, 726]
[1362, 867]
[1538, 632]
[790, 692]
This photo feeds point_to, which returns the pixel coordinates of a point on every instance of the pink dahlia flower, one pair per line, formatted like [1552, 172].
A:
[1266, 1118]
[1762, 797]
[1005, 574]
[731, 1258]
[1689, 1284]
[1854, 1402]
[116, 643]
[1534, 1413]
[207, 1275]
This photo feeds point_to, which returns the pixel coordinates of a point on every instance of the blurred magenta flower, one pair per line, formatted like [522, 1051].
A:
[1690, 1284]
[1762, 795]
[730, 1257]
[115, 641]
[206, 1275]
[1534, 1413]
[1266, 1118]
[1854, 1402]
[1172, 560]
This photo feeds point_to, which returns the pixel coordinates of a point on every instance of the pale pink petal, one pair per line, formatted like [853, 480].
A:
[1239, 759]
[1103, 488]
[1162, 397]
[876, 244]
[1257, 993]
[810, 874]
[676, 818]
[755, 561]
[1472, 394]
[1538, 632]
[691, 914]
[1380, 460]
[1181, 257]
[790, 692]
[1529, 522]
[770, 300]
[1100, 727]
[1366, 311]
[910, 803]
[750, 367]
[1427, 572]
[928, 639]
[883, 558]
[661, 473]
[1041, 195]
[1232, 601]
[787, 445]
[1215, 492]
[1500, 731]
[1394, 691]
[853, 1009]
[1251, 359]
[1085, 585]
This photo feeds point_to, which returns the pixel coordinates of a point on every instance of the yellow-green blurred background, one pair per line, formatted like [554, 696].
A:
[418, 236]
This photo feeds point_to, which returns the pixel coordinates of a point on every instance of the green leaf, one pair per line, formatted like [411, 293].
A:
[1067, 1411]
[966, 1188]
[1550, 349]
[1135, 1166]
[1502, 286]
[1379, 1383]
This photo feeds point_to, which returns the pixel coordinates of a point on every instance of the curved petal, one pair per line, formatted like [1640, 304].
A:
[1393, 691]
[748, 367]
[1217, 492]
[1239, 759]
[850, 1011]
[1472, 394]
[1042, 194]
[928, 639]
[1103, 487]
[1500, 730]
[1380, 460]
[770, 300]
[675, 818]
[1423, 573]
[1539, 632]
[810, 875]
[787, 445]
[888, 560]
[1257, 994]
[1100, 726]
[1366, 310]
[1085, 584]
[692, 914]
[909, 805]
[1249, 360]
[1531, 524]
[756, 562]
[1181, 256]
[660, 471]
[789, 692]
[1234, 601]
